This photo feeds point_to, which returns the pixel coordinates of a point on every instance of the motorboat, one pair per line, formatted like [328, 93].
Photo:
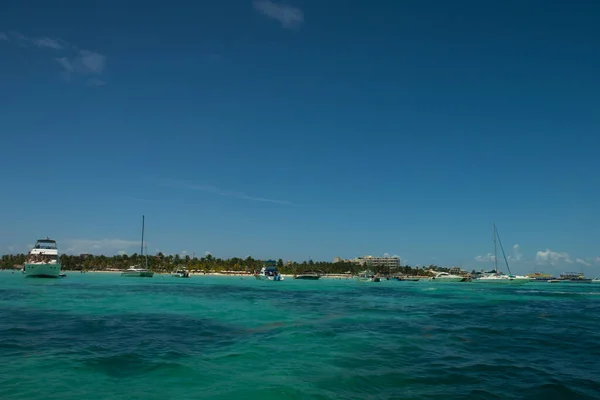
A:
[309, 275]
[180, 273]
[42, 261]
[269, 272]
[447, 277]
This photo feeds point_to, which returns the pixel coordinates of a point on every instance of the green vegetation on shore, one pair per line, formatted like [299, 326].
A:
[167, 263]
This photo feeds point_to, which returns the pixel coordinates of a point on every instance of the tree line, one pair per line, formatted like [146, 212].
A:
[167, 263]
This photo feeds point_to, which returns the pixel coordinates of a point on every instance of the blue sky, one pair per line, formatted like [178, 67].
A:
[304, 129]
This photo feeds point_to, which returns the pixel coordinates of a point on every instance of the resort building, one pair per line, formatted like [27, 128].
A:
[387, 262]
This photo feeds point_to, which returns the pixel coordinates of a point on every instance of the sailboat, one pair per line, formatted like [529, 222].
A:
[137, 270]
[498, 277]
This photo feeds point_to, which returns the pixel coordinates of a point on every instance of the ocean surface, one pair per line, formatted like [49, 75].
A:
[103, 336]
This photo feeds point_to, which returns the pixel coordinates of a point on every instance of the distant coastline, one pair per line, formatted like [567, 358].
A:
[161, 263]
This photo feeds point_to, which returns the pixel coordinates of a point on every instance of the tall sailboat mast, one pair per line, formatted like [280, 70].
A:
[495, 250]
[142, 245]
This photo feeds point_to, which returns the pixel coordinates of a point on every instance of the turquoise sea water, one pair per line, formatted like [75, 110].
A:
[101, 336]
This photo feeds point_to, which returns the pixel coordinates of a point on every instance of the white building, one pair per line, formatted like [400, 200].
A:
[387, 262]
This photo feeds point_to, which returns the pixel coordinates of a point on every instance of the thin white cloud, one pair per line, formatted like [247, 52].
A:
[287, 15]
[46, 42]
[41, 42]
[121, 252]
[549, 257]
[517, 255]
[12, 248]
[223, 192]
[582, 262]
[488, 257]
[208, 253]
[597, 259]
[19, 38]
[100, 246]
[74, 61]
[85, 62]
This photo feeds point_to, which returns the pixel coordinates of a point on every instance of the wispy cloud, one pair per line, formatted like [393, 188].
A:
[49, 43]
[488, 257]
[74, 61]
[582, 262]
[223, 192]
[86, 62]
[549, 257]
[287, 15]
[517, 255]
[99, 246]
[597, 260]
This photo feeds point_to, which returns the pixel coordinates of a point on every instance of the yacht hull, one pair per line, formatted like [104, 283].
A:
[308, 277]
[269, 278]
[460, 279]
[136, 274]
[42, 270]
[503, 281]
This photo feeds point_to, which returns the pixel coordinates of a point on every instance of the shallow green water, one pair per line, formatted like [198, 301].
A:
[100, 336]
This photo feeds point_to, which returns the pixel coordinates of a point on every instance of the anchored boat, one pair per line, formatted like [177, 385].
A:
[498, 277]
[269, 272]
[42, 260]
[137, 270]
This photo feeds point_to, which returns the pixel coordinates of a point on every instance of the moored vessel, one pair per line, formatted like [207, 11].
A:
[180, 273]
[42, 260]
[309, 275]
[137, 270]
[447, 277]
[574, 277]
[269, 272]
[498, 277]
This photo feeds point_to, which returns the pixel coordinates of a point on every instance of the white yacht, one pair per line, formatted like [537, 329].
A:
[269, 272]
[42, 260]
[180, 273]
[446, 277]
[368, 276]
[498, 277]
[137, 270]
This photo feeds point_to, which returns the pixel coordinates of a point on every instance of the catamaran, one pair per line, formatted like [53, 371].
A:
[498, 277]
[137, 270]
[42, 260]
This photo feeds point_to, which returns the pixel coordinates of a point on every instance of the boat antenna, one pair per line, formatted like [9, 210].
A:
[502, 248]
[495, 250]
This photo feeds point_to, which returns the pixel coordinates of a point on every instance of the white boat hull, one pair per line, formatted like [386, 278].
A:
[457, 279]
[505, 281]
[134, 274]
[42, 270]
[269, 278]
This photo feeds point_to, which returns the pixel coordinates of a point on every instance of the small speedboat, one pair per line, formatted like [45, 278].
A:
[367, 276]
[269, 272]
[446, 277]
[311, 276]
[180, 273]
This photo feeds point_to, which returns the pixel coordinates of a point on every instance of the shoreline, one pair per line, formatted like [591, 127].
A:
[236, 275]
